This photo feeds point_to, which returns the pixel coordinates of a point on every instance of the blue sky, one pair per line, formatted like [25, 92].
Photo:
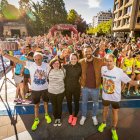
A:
[86, 8]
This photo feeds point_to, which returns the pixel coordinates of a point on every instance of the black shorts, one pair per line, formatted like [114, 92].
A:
[137, 74]
[115, 105]
[37, 95]
[129, 75]
[26, 75]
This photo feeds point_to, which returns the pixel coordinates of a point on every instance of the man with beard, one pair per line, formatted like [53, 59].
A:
[90, 82]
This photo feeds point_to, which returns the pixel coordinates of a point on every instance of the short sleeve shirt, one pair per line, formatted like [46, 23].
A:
[23, 58]
[38, 75]
[112, 83]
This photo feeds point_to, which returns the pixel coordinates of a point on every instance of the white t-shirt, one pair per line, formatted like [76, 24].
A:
[112, 83]
[38, 75]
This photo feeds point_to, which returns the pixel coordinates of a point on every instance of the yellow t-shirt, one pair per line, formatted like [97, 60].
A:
[137, 66]
[128, 65]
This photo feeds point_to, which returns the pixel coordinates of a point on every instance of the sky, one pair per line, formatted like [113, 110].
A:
[86, 8]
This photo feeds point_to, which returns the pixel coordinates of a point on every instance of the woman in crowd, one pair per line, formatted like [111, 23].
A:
[56, 76]
[127, 66]
[137, 71]
[72, 85]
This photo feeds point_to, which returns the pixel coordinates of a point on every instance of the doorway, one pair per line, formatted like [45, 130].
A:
[15, 32]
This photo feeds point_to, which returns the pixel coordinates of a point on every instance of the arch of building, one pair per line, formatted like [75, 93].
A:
[62, 27]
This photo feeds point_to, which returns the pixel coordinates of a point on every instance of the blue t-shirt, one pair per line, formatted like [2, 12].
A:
[109, 51]
[23, 58]
[17, 53]
[18, 68]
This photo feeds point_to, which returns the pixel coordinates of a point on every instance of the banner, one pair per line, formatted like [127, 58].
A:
[8, 46]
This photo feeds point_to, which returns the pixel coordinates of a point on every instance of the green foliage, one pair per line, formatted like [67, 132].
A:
[54, 11]
[74, 18]
[10, 12]
[47, 13]
[102, 28]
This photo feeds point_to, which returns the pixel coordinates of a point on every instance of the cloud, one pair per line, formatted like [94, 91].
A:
[94, 3]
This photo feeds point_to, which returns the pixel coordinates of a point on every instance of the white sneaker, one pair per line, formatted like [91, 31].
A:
[95, 121]
[59, 123]
[55, 122]
[82, 121]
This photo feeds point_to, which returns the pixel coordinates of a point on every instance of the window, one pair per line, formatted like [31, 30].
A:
[116, 6]
[120, 13]
[138, 20]
[116, 15]
[114, 24]
[126, 21]
[121, 3]
[127, 10]
[119, 23]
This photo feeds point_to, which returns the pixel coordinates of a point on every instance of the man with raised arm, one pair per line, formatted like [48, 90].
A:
[39, 84]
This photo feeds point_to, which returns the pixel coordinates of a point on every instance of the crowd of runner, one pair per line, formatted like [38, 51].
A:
[127, 56]
[66, 66]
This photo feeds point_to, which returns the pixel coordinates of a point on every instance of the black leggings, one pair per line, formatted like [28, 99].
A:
[76, 96]
[56, 100]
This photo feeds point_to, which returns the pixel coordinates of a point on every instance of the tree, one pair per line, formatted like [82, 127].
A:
[72, 16]
[34, 19]
[55, 11]
[47, 13]
[102, 28]
[76, 19]
[8, 11]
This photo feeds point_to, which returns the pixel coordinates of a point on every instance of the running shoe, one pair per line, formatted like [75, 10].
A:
[74, 121]
[48, 118]
[114, 134]
[19, 101]
[55, 122]
[35, 124]
[16, 100]
[70, 118]
[82, 121]
[59, 123]
[128, 93]
[95, 121]
[26, 102]
[101, 127]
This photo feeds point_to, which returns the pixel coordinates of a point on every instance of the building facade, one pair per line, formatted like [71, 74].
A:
[14, 29]
[126, 22]
[102, 16]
